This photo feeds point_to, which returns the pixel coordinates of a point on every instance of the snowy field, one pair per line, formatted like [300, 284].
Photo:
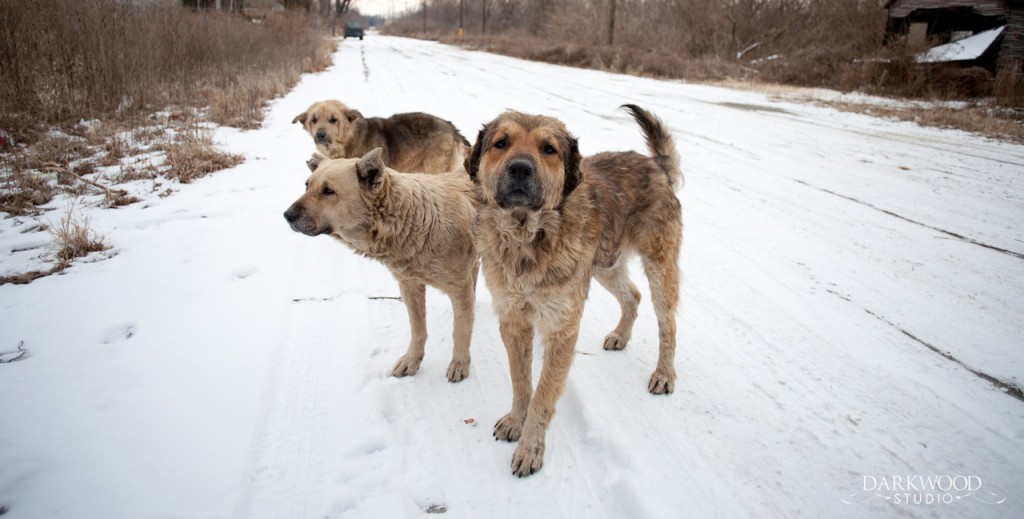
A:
[852, 310]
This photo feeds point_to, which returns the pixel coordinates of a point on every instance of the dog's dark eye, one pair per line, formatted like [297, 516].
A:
[501, 144]
[313, 120]
[326, 191]
[332, 120]
[549, 149]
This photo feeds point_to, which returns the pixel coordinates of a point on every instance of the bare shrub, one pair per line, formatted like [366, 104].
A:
[192, 155]
[74, 238]
[112, 62]
[22, 189]
[146, 55]
[804, 41]
[1009, 86]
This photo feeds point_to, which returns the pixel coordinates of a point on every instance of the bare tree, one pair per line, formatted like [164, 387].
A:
[611, 21]
[485, 6]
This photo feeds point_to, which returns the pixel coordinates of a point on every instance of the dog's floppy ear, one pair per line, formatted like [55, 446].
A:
[571, 164]
[301, 118]
[370, 169]
[315, 161]
[473, 161]
[352, 115]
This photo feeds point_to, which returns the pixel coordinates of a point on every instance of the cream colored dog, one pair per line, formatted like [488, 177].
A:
[419, 226]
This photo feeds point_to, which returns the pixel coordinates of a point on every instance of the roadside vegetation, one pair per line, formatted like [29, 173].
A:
[101, 97]
[835, 44]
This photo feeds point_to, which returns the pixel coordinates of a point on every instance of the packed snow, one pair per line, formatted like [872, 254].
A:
[852, 316]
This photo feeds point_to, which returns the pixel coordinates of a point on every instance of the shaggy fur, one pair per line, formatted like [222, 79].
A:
[548, 222]
[412, 142]
[419, 226]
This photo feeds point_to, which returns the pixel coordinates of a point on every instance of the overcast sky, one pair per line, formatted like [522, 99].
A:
[384, 7]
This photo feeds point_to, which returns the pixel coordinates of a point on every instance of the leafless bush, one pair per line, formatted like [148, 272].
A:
[74, 238]
[112, 62]
[1009, 86]
[801, 40]
[67, 59]
[192, 155]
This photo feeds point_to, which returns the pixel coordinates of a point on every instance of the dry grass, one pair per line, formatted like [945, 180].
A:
[628, 60]
[146, 57]
[997, 124]
[1009, 87]
[193, 155]
[22, 190]
[58, 69]
[74, 238]
[835, 44]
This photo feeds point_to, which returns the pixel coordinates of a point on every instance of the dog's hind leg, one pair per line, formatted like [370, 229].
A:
[662, 268]
[616, 280]
[463, 299]
[414, 296]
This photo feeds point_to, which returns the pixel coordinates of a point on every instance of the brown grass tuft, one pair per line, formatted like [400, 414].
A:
[74, 238]
[1009, 86]
[192, 155]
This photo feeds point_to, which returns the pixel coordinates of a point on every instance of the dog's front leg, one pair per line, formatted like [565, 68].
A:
[415, 297]
[462, 310]
[517, 334]
[559, 345]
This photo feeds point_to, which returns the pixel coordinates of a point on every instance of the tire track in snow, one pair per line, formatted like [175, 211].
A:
[951, 234]
[1007, 387]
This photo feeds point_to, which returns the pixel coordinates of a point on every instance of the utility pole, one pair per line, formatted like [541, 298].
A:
[424, 17]
[611, 22]
[461, 6]
[483, 16]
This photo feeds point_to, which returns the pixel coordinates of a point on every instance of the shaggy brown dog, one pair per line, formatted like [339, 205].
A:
[549, 222]
[412, 142]
[419, 226]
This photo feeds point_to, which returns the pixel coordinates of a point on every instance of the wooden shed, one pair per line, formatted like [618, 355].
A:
[945, 21]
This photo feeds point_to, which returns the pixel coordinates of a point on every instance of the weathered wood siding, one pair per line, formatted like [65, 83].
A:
[903, 8]
[1011, 53]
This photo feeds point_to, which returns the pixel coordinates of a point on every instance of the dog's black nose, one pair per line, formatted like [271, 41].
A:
[321, 136]
[293, 213]
[520, 169]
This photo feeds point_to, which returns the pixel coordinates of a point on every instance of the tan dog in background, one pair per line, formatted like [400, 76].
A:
[549, 222]
[411, 142]
[419, 226]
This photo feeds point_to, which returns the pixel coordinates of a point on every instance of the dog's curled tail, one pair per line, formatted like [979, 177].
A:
[661, 144]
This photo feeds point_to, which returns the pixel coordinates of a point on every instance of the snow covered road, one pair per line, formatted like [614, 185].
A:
[853, 310]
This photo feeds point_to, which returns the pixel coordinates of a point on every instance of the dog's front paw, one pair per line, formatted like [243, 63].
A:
[509, 428]
[528, 458]
[615, 342]
[406, 366]
[458, 370]
[662, 383]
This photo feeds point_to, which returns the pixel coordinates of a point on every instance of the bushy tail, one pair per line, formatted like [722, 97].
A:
[661, 144]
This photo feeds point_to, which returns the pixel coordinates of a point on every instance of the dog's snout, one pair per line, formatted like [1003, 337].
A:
[321, 136]
[520, 169]
[293, 213]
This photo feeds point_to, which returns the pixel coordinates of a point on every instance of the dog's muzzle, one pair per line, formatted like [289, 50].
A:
[519, 186]
[320, 137]
[300, 221]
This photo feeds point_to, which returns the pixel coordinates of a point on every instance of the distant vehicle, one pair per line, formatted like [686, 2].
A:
[353, 29]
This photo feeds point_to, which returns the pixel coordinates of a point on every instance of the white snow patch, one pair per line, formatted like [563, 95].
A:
[966, 49]
[223, 366]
